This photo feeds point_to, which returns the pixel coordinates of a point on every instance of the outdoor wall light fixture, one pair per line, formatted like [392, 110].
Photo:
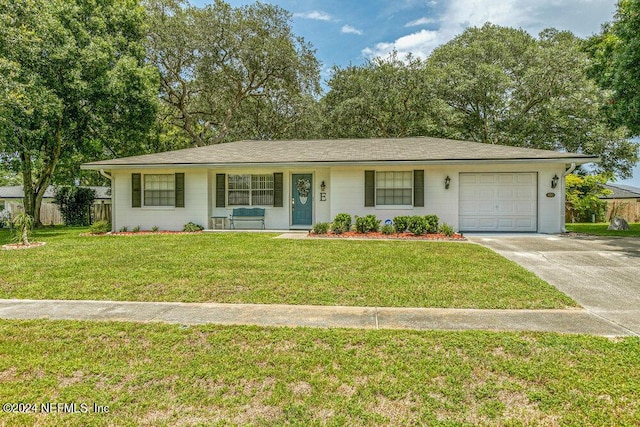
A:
[554, 181]
[323, 186]
[447, 182]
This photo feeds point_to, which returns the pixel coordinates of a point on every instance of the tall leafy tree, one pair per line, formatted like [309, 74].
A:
[73, 82]
[223, 68]
[616, 59]
[382, 98]
[502, 86]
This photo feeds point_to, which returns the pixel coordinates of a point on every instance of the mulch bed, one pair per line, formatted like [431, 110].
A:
[394, 236]
[139, 233]
[18, 246]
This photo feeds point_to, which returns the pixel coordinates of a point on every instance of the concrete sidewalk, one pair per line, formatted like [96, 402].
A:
[574, 321]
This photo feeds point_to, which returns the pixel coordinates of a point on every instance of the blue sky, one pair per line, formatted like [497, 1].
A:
[347, 32]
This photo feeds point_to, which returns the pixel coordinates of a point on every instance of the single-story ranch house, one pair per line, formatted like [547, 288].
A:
[471, 186]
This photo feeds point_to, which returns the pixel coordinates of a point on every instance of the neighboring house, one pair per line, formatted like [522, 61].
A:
[11, 200]
[624, 202]
[471, 186]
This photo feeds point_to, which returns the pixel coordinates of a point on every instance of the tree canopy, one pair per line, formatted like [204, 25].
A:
[231, 73]
[382, 98]
[73, 85]
[490, 84]
[616, 55]
[502, 86]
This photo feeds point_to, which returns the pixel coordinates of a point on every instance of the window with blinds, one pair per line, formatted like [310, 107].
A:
[159, 190]
[394, 188]
[250, 190]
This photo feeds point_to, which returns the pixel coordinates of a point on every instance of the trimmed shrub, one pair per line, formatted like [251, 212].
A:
[321, 228]
[342, 223]
[74, 204]
[387, 229]
[417, 225]
[367, 223]
[191, 227]
[432, 223]
[100, 227]
[446, 229]
[155, 228]
[401, 223]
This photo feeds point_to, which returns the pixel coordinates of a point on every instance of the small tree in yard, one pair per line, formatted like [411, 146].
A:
[74, 203]
[583, 197]
[22, 223]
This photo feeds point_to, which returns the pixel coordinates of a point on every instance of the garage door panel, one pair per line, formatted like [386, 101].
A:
[505, 208]
[506, 178]
[505, 194]
[526, 179]
[486, 179]
[526, 208]
[498, 201]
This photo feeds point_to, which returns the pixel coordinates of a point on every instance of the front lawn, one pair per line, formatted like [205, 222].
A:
[256, 268]
[600, 229]
[166, 375]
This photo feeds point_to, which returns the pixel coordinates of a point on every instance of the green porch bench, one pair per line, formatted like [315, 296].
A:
[246, 214]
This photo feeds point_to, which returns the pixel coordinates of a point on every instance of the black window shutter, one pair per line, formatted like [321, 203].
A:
[418, 188]
[179, 190]
[278, 194]
[136, 190]
[220, 190]
[369, 188]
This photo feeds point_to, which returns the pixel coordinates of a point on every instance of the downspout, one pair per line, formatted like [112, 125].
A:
[113, 211]
[564, 192]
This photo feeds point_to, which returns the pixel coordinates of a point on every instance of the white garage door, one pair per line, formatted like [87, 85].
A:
[498, 202]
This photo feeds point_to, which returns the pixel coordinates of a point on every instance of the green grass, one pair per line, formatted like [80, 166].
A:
[256, 268]
[600, 229]
[166, 375]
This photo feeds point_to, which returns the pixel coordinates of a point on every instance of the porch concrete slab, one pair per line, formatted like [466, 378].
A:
[293, 235]
[573, 321]
[602, 274]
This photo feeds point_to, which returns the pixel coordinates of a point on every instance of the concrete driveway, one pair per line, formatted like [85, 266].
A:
[601, 273]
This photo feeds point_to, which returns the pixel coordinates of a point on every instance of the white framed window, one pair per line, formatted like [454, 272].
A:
[394, 188]
[159, 190]
[250, 190]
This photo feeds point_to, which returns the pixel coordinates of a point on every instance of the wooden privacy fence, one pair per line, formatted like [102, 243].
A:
[629, 209]
[101, 212]
[50, 214]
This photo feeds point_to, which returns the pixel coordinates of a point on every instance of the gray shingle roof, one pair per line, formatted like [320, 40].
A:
[621, 192]
[340, 151]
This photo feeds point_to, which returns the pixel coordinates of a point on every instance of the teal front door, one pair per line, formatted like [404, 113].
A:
[301, 199]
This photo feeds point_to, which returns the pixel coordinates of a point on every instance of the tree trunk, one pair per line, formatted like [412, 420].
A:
[25, 235]
[27, 187]
[34, 192]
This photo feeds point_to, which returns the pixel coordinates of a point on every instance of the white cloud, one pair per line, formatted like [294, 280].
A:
[419, 44]
[421, 21]
[348, 29]
[578, 16]
[316, 15]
